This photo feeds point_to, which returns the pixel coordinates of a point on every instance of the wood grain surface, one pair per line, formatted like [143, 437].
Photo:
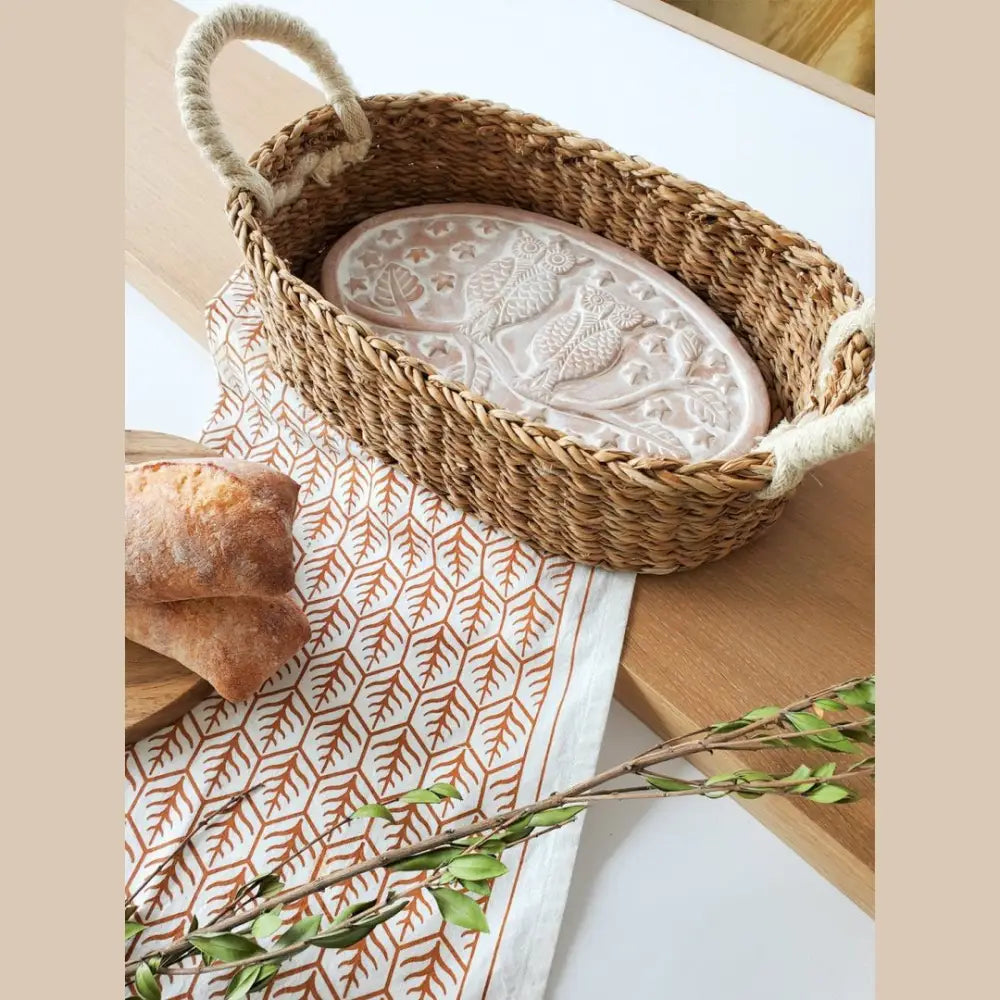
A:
[774, 621]
[761, 40]
[834, 36]
[158, 690]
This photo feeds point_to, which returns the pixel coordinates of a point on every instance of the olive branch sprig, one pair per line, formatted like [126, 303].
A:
[462, 864]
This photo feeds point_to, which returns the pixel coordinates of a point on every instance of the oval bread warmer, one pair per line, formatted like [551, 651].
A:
[802, 320]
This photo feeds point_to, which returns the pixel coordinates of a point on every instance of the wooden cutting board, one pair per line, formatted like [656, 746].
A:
[158, 690]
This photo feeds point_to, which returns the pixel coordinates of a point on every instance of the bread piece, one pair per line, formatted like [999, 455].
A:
[207, 528]
[235, 643]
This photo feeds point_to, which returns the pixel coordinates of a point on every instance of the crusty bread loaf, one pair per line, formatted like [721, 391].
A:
[235, 643]
[207, 528]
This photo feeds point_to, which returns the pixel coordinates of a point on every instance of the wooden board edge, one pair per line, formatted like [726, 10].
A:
[822, 852]
[760, 55]
[169, 713]
[169, 301]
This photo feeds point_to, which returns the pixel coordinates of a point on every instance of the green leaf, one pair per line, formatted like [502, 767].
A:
[720, 779]
[665, 784]
[193, 925]
[551, 817]
[477, 866]
[459, 909]
[301, 931]
[373, 810]
[830, 792]
[767, 712]
[387, 913]
[487, 845]
[802, 742]
[271, 885]
[132, 928]
[860, 696]
[353, 910]
[239, 985]
[829, 704]
[744, 777]
[265, 973]
[445, 790]
[802, 771]
[853, 698]
[475, 887]
[806, 722]
[427, 860]
[421, 795]
[516, 831]
[863, 733]
[728, 727]
[145, 983]
[825, 770]
[266, 924]
[226, 947]
[344, 937]
[266, 885]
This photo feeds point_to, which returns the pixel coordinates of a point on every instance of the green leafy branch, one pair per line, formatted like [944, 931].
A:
[462, 864]
[266, 885]
[472, 864]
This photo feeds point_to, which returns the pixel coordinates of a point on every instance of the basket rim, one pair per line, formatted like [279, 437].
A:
[747, 473]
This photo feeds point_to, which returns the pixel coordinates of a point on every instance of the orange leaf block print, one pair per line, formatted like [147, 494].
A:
[441, 650]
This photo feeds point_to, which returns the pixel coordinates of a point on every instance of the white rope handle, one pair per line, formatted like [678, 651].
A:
[203, 42]
[797, 448]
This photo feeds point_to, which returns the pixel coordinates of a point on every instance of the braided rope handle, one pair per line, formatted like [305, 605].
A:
[203, 42]
[797, 448]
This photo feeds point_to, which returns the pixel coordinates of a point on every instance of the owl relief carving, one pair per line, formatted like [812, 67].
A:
[584, 341]
[516, 287]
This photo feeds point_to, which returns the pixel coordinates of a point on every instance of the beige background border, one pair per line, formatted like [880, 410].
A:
[62, 526]
[937, 586]
[936, 498]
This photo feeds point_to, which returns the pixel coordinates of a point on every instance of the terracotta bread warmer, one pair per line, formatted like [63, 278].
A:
[801, 319]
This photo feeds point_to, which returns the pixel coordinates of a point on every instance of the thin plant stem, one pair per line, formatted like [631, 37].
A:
[202, 824]
[723, 787]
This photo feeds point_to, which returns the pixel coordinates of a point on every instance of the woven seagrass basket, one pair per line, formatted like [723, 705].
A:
[795, 311]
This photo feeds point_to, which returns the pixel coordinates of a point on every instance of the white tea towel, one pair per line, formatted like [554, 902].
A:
[441, 650]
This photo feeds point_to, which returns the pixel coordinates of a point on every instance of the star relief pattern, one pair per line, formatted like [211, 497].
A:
[555, 320]
[443, 282]
[441, 650]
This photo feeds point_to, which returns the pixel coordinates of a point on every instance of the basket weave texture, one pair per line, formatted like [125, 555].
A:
[776, 290]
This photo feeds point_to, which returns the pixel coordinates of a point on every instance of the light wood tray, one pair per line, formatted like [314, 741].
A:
[158, 690]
